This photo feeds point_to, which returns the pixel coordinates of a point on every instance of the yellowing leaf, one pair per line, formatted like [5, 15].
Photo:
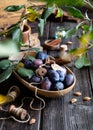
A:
[78, 51]
[4, 99]
[32, 14]
[84, 40]
[59, 13]
[31, 17]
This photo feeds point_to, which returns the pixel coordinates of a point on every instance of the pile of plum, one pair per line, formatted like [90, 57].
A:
[36, 71]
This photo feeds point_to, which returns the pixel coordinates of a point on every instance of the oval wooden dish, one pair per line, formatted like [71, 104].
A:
[52, 44]
[46, 93]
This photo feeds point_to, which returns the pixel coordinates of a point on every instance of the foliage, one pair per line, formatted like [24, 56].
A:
[86, 37]
[65, 2]
[7, 48]
[41, 14]
[33, 13]
[75, 12]
[9, 64]
[7, 68]
[83, 61]
[14, 8]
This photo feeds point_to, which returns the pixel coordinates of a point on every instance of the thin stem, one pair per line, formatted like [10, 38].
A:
[9, 29]
[90, 46]
[80, 24]
[88, 2]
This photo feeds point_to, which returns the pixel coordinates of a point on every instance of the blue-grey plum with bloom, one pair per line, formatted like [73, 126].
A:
[62, 75]
[53, 75]
[41, 55]
[69, 79]
[46, 84]
[35, 79]
[58, 86]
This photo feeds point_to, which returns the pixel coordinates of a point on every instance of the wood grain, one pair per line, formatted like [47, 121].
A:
[58, 113]
[8, 18]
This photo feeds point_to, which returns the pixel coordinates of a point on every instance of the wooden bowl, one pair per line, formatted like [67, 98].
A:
[46, 93]
[53, 44]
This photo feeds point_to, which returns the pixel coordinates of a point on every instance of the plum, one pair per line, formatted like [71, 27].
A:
[37, 62]
[28, 64]
[58, 86]
[35, 79]
[61, 75]
[53, 75]
[41, 55]
[69, 79]
[46, 84]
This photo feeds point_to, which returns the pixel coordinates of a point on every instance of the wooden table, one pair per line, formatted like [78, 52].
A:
[58, 113]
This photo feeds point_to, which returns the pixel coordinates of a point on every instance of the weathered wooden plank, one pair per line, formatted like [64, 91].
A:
[90, 55]
[81, 109]
[58, 114]
[65, 115]
[6, 124]
[52, 118]
[75, 113]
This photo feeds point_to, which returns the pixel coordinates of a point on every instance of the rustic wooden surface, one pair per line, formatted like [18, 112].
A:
[58, 113]
[8, 18]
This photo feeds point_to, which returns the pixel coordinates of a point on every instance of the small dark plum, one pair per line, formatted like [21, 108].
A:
[37, 63]
[46, 84]
[35, 79]
[41, 55]
[69, 79]
[58, 86]
[28, 64]
[53, 75]
[61, 75]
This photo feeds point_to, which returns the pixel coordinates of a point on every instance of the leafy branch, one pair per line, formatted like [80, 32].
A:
[85, 43]
[41, 14]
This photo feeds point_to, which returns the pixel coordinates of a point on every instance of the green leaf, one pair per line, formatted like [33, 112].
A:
[70, 32]
[47, 12]
[83, 61]
[6, 74]
[65, 2]
[41, 26]
[59, 13]
[10, 30]
[75, 12]
[30, 57]
[7, 48]
[86, 28]
[13, 8]
[17, 35]
[4, 64]
[23, 72]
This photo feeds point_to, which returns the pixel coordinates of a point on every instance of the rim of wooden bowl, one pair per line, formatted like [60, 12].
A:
[56, 47]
